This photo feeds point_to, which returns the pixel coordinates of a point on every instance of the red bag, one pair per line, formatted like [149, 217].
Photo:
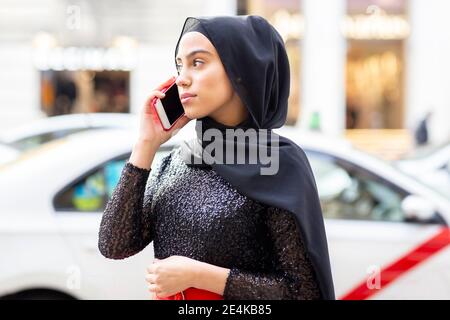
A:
[193, 294]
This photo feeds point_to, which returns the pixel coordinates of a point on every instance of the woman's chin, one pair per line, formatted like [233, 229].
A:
[191, 113]
[190, 116]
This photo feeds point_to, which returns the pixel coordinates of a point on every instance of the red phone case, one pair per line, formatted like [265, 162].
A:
[154, 108]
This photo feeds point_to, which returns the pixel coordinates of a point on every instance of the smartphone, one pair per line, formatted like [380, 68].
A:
[169, 108]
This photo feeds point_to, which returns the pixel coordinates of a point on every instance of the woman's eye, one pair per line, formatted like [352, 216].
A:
[197, 61]
[179, 66]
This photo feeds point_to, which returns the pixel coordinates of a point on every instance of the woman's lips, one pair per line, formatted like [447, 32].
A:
[187, 99]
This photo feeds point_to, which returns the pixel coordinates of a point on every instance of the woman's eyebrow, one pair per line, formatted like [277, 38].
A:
[195, 52]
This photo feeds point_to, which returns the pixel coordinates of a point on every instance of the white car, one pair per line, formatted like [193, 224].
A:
[37, 132]
[53, 197]
[7, 153]
[388, 233]
[431, 166]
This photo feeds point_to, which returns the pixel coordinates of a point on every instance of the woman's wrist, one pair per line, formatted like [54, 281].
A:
[209, 277]
[143, 153]
[146, 143]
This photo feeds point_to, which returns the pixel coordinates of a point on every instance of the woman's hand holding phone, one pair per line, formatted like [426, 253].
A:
[150, 128]
[151, 134]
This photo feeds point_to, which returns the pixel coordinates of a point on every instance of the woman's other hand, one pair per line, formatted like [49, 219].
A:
[169, 276]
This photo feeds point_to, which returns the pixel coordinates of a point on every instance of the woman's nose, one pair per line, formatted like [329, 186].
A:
[181, 81]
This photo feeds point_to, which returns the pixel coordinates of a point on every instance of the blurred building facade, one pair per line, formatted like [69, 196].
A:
[59, 57]
[365, 65]
[355, 64]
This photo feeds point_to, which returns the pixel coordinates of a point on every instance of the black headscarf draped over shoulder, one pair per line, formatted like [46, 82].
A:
[254, 57]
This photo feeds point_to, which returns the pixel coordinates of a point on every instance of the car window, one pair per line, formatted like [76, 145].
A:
[39, 139]
[92, 191]
[348, 191]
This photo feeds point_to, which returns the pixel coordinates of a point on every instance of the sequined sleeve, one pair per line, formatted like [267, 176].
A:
[293, 278]
[126, 227]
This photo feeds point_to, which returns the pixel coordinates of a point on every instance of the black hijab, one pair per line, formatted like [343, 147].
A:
[255, 60]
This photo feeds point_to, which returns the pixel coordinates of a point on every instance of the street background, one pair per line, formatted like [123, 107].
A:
[369, 104]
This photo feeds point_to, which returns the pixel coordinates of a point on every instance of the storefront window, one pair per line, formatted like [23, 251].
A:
[286, 17]
[78, 79]
[66, 92]
[375, 31]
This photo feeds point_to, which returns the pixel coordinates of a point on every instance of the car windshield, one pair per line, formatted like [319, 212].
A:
[431, 182]
[33, 152]
[444, 192]
[34, 141]
[424, 152]
[441, 192]
[8, 146]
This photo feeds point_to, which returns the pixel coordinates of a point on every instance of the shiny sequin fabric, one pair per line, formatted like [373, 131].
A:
[195, 213]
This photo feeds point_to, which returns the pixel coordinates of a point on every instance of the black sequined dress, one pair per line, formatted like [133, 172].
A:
[194, 212]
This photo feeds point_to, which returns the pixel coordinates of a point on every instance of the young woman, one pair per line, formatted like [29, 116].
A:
[223, 230]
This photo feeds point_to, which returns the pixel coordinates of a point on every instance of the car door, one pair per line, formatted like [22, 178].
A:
[375, 252]
[78, 209]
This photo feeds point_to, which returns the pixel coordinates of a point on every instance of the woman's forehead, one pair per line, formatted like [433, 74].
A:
[194, 40]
